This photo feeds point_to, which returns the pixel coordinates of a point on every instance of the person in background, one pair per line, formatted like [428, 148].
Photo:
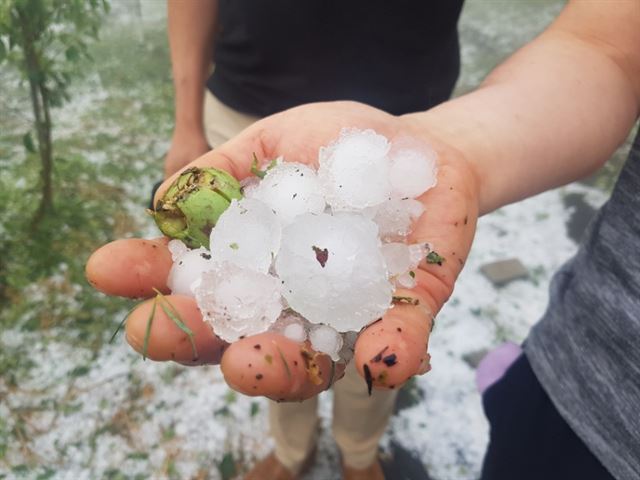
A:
[552, 113]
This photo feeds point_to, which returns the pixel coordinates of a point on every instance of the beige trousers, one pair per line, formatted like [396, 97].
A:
[359, 420]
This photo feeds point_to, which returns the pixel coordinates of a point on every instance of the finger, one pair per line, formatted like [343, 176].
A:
[392, 350]
[130, 268]
[448, 225]
[273, 366]
[153, 331]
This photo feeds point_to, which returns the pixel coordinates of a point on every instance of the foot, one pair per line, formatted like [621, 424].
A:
[270, 468]
[373, 472]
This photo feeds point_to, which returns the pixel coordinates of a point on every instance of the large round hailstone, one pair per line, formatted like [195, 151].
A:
[247, 234]
[332, 270]
[238, 302]
[290, 189]
[413, 171]
[188, 266]
[354, 170]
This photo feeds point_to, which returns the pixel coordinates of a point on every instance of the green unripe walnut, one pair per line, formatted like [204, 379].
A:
[190, 208]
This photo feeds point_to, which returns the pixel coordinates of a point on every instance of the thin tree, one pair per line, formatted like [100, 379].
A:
[45, 40]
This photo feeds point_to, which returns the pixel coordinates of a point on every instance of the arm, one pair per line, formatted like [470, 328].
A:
[192, 26]
[553, 112]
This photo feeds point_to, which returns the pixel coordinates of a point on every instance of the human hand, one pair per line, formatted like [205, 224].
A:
[186, 146]
[269, 364]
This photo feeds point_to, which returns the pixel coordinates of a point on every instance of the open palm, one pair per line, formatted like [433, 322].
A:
[269, 364]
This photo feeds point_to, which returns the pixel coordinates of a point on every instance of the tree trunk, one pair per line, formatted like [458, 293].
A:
[40, 105]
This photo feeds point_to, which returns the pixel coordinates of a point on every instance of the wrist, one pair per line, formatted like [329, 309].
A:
[188, 130]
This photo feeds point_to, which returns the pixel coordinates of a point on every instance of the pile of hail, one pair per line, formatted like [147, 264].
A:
[314, 255]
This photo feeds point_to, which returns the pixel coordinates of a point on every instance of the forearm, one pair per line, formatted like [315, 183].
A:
[552, 113]
[192, 27]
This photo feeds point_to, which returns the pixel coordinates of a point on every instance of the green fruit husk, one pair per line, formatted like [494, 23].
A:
[191, 206]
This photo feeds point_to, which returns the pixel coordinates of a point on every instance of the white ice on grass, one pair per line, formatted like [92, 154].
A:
[237, 301]
[187, 268]
[247, 234]
[290, 189]
[326, 340]
[413, 170]
[332, 270]
[354, 170]
[394, 217]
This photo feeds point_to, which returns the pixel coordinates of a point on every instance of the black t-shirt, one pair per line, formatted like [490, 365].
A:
[397, 55]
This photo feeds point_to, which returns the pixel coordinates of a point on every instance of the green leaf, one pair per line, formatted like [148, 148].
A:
[255, 409]
[79, 371]
[27, 141]
[173, 314]
[124, 319]
[147, 333]
[3, 51]
[72, 54]
[227, 467]
[434, 257]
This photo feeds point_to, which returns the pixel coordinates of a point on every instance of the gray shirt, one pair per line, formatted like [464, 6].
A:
[586, 348]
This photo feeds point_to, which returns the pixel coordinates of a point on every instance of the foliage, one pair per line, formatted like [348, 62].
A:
[104, 166]
[44, 39]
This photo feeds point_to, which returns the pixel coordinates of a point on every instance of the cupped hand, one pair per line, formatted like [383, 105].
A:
[389, 351]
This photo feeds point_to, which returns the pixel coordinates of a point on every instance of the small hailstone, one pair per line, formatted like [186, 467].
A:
[406, 280]
[295, 332]
[247, 234]
[418, 252]
[187, 269]
[413, 171]
[291, 325]
[394, 217]
[238, 302]
[290, 189]
[326, 340]
[354, 170]
[397, 258]
[177, 249]
[332, 270]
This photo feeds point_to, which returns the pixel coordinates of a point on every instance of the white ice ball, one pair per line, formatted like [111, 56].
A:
[187, 269]
[413, 171]
[290, 189]
[354, 170]
[395, 217]
[238, 302]
[326, 340]
[246, 234]
[332, 270]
